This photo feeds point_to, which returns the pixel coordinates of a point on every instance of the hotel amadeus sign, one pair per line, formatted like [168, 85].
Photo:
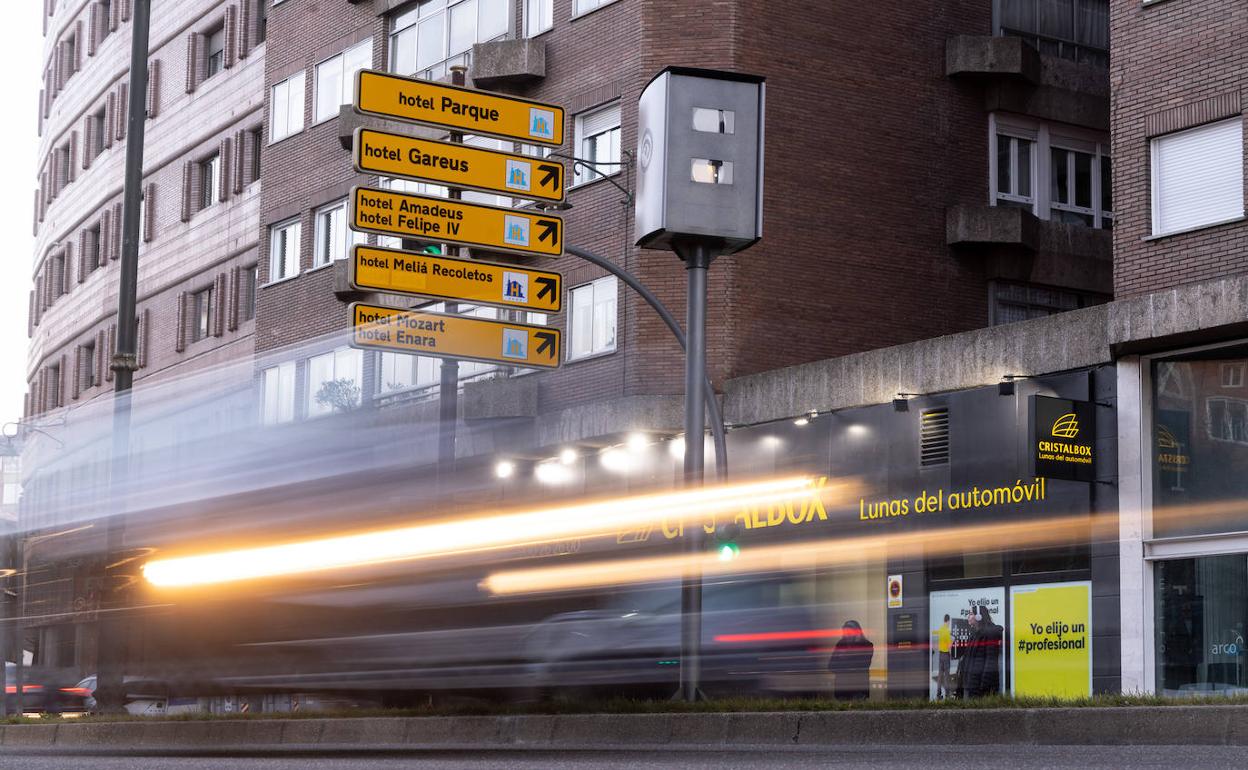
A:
[1063, 438]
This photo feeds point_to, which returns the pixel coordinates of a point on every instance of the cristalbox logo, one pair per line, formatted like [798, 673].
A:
[1067, 426]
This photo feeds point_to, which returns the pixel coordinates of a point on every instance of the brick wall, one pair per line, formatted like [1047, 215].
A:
[1173, 65]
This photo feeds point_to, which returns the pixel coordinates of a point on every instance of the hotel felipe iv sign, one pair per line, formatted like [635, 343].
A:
[1063, 438]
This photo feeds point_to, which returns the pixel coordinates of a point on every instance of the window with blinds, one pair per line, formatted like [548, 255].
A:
[598, 142]
[1198, 177]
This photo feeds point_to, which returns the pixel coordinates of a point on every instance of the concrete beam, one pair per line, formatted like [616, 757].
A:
[508, 62]
[983, 56]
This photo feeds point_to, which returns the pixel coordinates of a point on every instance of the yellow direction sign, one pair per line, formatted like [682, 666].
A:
[481, 283]
[374, 327]
[458, 108]
[457, 165]
[426, 218]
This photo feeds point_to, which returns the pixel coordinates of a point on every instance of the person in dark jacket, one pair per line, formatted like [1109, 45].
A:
[851, 662]
[983, 659]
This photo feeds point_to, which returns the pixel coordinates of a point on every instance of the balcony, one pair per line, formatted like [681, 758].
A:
[508, 62]
[983, 57]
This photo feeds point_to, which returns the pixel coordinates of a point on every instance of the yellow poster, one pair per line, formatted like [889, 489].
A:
[1051, 639]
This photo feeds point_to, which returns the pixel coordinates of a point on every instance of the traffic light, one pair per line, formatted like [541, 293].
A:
[726, 541]
[432, 249]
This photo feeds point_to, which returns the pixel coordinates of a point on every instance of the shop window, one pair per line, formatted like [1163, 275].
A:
[1227, 419]
[1198, 177]
[1200, 620]
[428, 39]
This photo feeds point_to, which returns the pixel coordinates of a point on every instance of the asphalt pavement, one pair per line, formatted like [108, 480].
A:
[875, 757]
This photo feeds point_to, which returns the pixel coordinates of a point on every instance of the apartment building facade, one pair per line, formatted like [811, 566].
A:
[876, 233]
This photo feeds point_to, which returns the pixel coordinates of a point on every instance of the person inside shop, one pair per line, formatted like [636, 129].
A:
[944, 644]
[851, 662]
[983, 660]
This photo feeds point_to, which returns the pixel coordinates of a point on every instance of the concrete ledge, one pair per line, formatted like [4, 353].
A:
[1170, 725]
[979, 226]
[508, 62]
[986, 56]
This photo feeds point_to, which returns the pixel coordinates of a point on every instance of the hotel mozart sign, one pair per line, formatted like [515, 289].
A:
[1063, 438]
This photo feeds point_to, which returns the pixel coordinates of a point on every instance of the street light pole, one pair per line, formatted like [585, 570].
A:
[448, 383]
[111, 646]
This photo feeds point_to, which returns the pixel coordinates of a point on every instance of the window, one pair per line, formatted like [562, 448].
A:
[256, 148]
[91, 255]
[436, 34]
[399, 371]
[335, 79]
[54, 386]
[105, 12]
[216, 53]
[277, 403]
[209, 179]
[1014, 171]
[1233, 375]
[1072, 29]
[284, 250]
[333, 237]
[97, 132]
[593, 318]
[334, 381]
[1070, 175]
[598, 140]
[1200, 618]
[1020, 302]
[262, 21]
[247, 293]
[58, 275]
[1198, 177]
[286, 108]
[86, 361]
[585, 6]
[538, 16]
[1228, 419]
[201, 314]
[1060, 174]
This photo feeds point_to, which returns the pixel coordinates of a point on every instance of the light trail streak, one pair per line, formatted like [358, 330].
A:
[829, 553]
[605, 517]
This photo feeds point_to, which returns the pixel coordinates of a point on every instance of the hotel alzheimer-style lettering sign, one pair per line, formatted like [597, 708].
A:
[481, 283]
[374, 327]
[458, 108]
[428, 218]
[457, 165]
[1063, 438]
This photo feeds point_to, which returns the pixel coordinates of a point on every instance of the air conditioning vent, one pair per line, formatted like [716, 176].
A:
[934, 437]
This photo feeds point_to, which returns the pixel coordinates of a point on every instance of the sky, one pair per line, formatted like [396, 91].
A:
[20, 58]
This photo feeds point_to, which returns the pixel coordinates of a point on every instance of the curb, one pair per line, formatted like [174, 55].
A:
[1170, 725]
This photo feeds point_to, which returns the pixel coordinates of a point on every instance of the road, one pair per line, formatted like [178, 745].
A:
[874, 757]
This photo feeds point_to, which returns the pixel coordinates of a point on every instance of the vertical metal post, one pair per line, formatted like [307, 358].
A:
[111, 647]
[448, 383]
[697, 262]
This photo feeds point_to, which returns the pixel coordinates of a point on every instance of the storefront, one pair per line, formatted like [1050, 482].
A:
[953, 517]
[1194, 522]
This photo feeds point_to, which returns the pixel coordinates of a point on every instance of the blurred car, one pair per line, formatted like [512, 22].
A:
[752, 643]
[44, 691]
[144, 697]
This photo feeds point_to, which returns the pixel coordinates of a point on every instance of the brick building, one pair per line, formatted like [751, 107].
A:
[912, 191]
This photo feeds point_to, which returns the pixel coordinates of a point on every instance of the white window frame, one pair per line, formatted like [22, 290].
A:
[1044, 139]
[583, 7]
[342, 66]
[277, 394]
[324, 251]
[201, 314]
[1237, 161]
[406, 26]
[275, 230]
[602, 291]
[345, 364]
[539, 17]
[209, 180]
[587, 142]
[1233, 375]
[286, 103]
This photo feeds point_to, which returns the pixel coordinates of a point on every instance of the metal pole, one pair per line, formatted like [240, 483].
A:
[448, 383]
[111, 647]
[712, 403]
[697, 261]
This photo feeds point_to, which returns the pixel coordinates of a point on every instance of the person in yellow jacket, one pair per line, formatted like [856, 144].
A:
[944, 642]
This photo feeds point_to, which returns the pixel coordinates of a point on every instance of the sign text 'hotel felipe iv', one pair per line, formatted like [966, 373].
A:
[1063, 438]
